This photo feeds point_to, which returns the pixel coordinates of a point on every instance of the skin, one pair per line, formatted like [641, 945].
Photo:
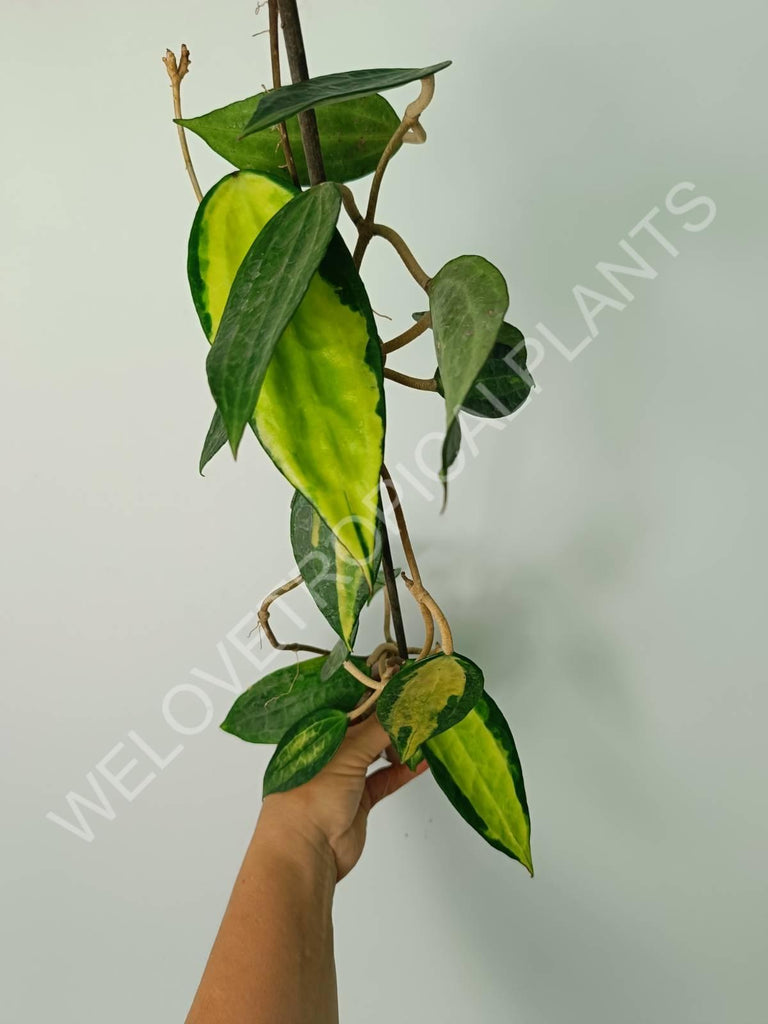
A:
[272, 961]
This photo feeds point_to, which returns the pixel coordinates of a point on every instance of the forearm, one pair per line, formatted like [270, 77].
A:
[272, 961]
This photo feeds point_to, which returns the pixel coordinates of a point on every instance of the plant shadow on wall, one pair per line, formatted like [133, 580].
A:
[295, 356]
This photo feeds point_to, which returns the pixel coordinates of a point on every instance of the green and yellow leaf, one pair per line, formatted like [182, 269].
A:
[334, 579]
[353, 135]
[320, 408]
[271, 281]
[476, 765]
[265, 711]
[425, 698]
[306, 748]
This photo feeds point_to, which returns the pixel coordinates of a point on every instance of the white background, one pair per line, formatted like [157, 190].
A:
[603, 557]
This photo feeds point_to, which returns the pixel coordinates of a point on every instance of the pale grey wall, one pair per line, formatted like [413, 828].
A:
[603, 557]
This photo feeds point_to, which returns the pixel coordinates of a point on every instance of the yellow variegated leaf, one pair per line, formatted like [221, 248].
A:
[425, 698]
[476, 765]
[333, 577]
[304, 749]
[320, 410]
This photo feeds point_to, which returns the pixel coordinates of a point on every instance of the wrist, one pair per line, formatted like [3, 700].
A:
[295, 838]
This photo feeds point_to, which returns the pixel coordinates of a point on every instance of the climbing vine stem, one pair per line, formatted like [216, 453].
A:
[274, 53]
[409, 125]
[429, 608]
[263, 617]
[419, 383]
[413, 332]
[176, 72]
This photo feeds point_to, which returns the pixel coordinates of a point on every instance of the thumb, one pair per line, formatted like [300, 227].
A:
[388, 780]
[368, 740]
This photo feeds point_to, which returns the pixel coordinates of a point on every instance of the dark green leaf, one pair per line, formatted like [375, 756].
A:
[467, 300]
[215, 440]
[426, 698]
[334, 661]
[306, 748]
[451, 447]
[283, 103]
[503, 383]
[333, 578]
[353, 135]
[476, 765]
[266, 710]
[267, 289]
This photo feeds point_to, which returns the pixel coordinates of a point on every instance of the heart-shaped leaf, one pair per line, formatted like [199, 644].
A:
[476, 765]
[425, 698]
[269, 284]
[503, 383]
[353, 135]
[266, 710]
[320, 411]
[467, 299]
[280, 104]
[307, 747]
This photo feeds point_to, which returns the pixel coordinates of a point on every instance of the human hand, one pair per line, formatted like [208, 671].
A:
[331, 810]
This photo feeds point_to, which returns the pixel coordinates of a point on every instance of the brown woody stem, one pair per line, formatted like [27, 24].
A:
[394, 598]
[413, 332]
[274, 53]
[297, 62]
[369, 702]
[176, 73]
[419, 383]
[399, 244]
[387, 618]
[361, 677]
[425, 599]
[408, 126]
[263, 616]
[414, 268]
[427, 604]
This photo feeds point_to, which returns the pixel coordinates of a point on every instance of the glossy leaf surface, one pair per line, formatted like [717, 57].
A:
[306, 748]
[320, 412]
[269, 284]
[426, 698]
[266, 710]
[353, 135]
[467, 299]
[476, 765]
[283, 103]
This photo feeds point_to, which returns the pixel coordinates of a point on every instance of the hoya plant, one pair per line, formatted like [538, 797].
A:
[297, 359]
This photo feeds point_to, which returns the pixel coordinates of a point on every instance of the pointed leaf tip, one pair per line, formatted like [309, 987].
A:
[269, 285]
[468, 298]
[283, 103]
[477, 766]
